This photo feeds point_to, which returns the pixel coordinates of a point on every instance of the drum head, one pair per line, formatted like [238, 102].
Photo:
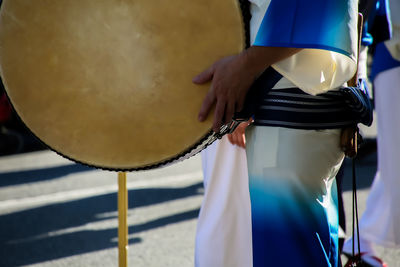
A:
[108, 82]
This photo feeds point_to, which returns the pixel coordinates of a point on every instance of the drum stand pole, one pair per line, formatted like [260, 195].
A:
[122, 220]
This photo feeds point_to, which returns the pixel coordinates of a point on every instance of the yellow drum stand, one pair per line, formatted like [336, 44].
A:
[122, 220]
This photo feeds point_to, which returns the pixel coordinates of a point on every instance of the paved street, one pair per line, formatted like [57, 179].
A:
[57, 213]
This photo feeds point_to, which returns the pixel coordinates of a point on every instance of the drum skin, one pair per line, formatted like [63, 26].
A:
[109, 82]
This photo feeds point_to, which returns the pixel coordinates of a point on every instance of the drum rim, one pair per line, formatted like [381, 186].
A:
[244, 13]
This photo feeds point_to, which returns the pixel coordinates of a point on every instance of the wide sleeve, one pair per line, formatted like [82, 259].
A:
[393, 45]
[327, 30]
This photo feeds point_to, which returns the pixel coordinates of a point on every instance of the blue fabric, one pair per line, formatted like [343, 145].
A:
[290, 225]
[307, 24]
[377, 27]
[383, 60]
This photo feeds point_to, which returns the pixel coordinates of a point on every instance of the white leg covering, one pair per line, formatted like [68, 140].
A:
[223, 235]
[381, 219]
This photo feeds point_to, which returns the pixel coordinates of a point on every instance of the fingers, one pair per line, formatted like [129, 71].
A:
[210, 98]
[231, 139]
[237, 138]
[218, 115]
[221, 115]
[242, 141]
[205, 76]
[230, 109]
[206, 106]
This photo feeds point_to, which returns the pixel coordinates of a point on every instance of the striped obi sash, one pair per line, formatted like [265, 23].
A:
[292, 108]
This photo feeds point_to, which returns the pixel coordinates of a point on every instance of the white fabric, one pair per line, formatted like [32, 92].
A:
[223, 235]
[381, 219]
[260, 3]
[334, 70]
[363, 63]
[271, 149]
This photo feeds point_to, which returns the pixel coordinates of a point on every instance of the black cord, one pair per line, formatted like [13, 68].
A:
[355, 216]
[353, 209]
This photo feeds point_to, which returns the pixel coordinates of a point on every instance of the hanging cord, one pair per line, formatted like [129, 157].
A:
[355, 216]
[353, 144]
[350, 142]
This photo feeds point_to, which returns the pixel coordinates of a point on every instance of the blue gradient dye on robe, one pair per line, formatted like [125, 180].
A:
[302, 228]
[320, 24]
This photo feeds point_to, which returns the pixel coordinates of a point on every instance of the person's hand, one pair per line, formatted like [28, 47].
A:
[230, 81]
[231, 78]
[237, 137]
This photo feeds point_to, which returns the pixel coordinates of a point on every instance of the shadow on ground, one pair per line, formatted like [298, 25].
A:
[31, 176]
[26, 236]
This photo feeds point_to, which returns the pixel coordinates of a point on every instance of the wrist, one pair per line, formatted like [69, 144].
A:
[253, 61]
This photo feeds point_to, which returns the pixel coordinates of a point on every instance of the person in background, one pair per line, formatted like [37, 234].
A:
[376, 28]
[379, 224]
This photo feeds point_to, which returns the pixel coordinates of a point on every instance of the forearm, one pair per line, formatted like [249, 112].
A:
[257, 58]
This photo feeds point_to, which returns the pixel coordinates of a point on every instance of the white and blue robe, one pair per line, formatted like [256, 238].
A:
[291, 171]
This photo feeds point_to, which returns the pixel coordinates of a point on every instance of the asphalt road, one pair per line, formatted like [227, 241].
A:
[57, 213]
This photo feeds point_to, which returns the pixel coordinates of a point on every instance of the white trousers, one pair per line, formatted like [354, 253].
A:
[223, 235]
[380, 222]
